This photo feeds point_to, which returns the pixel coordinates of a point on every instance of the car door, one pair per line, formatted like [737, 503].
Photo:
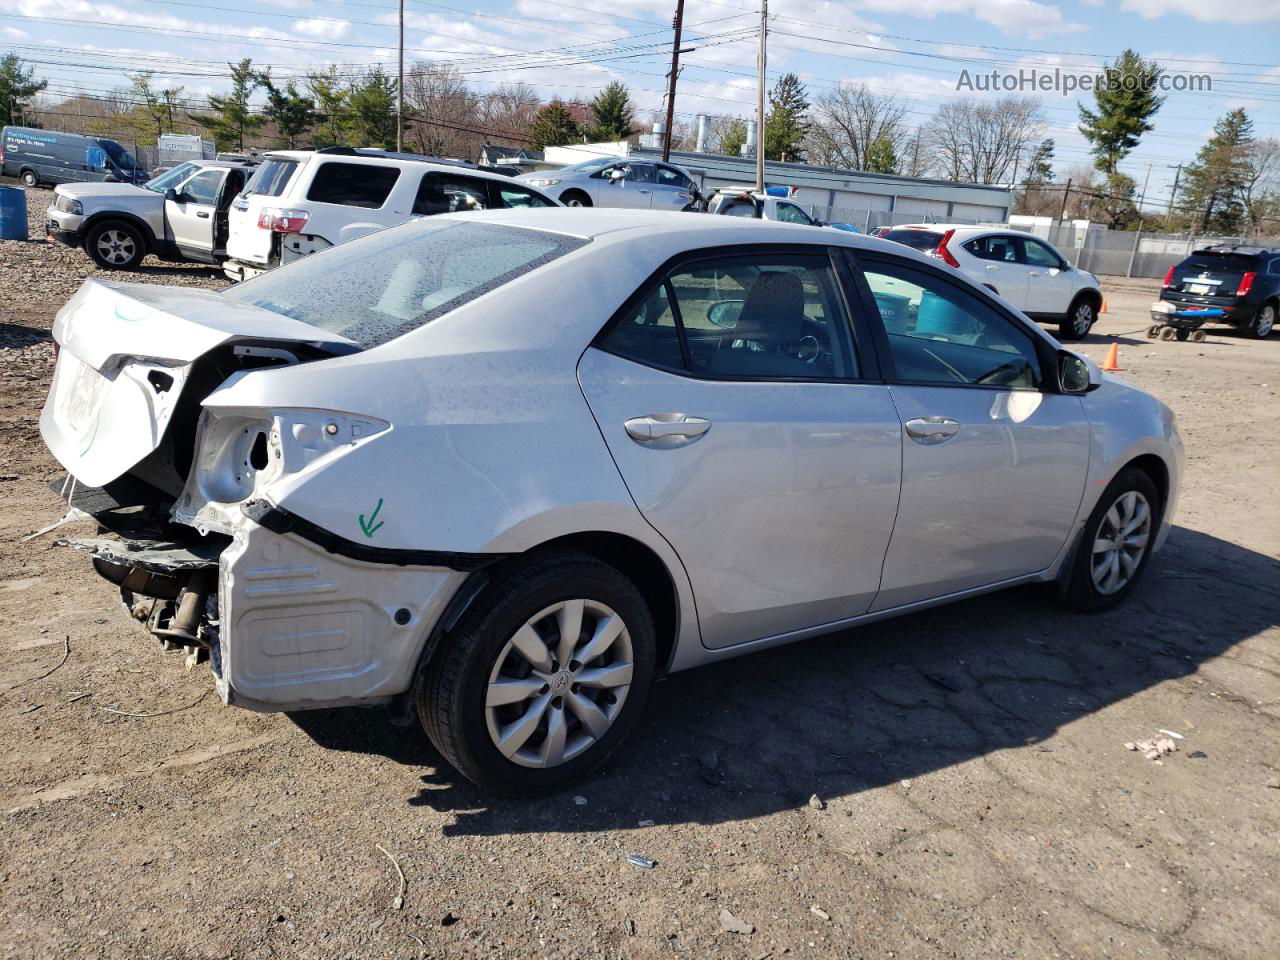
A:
[993, 458]
[625, 184]
[753, 437]
[189, 219]
[672, 190]
[1049, 283]
[1000, 268]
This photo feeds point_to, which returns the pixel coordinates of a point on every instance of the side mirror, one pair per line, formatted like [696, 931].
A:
[171, 195]
[725, 313]
[1076, 373]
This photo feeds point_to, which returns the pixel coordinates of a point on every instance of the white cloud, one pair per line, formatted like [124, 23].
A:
[322, 28]
[1238, 11]
[13, 33]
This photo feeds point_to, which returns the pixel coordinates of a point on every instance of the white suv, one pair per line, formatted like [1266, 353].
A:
[1027, 271]
[302, 201]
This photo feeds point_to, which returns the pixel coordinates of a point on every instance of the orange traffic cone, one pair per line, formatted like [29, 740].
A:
[1112, 363]
[1104, 307]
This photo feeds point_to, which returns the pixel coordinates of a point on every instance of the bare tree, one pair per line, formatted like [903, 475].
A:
[1260, 189]
[852, 121]
[978, 141]
[444, 109]
[507, 112]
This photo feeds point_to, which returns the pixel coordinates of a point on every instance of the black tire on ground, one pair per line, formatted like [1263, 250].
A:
[30, 178]
[1079, 319]
[1182, 333]
[1264, 322]
[575, 198]
[452, 687]
[1082, 592]
[115, 245]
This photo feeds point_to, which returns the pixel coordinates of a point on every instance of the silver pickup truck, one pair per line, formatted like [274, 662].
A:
[179, 215]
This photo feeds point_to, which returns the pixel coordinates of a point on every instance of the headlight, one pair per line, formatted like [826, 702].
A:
[67, 205]
[542, 183]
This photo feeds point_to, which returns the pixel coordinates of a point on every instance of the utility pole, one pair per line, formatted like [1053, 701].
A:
[764, 32]
[1066, 192]
[1168, 217]
[400, 88]
[671, 86]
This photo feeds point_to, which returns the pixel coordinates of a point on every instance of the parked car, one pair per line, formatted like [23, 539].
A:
[1028, 272]
[506, 468]
[1238, 284]
[50, 157]
[179, 215]
[304, 201]
[769, 204]
[618, 182]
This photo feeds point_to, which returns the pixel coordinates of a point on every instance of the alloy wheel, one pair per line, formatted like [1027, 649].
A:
[1082, 320]
[559, 683]
[1120, 542]
[116, 246]
[1266, 320]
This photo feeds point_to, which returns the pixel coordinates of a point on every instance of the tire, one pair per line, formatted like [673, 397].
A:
[1091, 592]
[115, 245]
[456, 686]
[29, 178]
[575, 198]
[1079, 319]
[1264, 322]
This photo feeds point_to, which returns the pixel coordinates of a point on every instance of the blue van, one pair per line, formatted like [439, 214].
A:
[49, 156]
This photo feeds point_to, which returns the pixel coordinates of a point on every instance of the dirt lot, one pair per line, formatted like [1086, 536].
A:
[977, 797]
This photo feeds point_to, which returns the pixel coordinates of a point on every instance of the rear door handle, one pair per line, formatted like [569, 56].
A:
[203, 215]
[929, 430]
[663, 430]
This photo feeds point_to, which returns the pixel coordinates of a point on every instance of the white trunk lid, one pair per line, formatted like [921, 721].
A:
[126, 352]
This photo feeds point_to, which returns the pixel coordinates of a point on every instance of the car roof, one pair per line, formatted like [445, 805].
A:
[224, 164]
[369, 155]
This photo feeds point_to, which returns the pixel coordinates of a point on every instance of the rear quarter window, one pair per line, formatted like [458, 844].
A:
[353, 184]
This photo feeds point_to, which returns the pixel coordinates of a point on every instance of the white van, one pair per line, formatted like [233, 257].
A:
[302, 201]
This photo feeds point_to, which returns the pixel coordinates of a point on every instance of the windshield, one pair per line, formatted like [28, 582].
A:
[916, 239]
[118, 154]
[374, 289]
[1212, 261]
[171, 178]
[590, 166]
[270, 179]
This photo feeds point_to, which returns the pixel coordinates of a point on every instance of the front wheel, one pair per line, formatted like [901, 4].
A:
[1116, 544]
[1078, 321]
[30, 179]
[544, 677]
[1264, 322]
[115, 245]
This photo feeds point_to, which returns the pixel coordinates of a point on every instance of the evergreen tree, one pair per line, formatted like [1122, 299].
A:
[732, 137]
[17, 86]
[232, 118]
[1126, 102]
[371, 106]
[881, 157]
[1216, 181]
[331, 97]
[787, 122]
[612, 113]
[292, 113]
[553, 126]
[1040, 169]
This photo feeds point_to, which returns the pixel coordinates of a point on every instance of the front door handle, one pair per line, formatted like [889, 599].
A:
[992, 266]
[929, 430]
[203, 215]
[664, 430]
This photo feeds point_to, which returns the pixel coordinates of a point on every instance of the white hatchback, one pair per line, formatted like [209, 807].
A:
[1028, 272]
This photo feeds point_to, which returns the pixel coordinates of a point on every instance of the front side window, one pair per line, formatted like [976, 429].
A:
[742, 317]
[379, 287]
[202, 188]
[941, 334]
[1036, 254]
[449, 193]
[353, 184]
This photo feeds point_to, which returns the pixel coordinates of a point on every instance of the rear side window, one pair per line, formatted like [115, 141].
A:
[999, 249]
[381, 286]
[916, 239]
[509, 195]
[270, 179]
[353, 184]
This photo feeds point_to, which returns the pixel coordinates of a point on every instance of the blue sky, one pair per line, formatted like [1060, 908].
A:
[912, 48]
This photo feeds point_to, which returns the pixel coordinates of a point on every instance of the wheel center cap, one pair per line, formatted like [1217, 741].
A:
[561, 682]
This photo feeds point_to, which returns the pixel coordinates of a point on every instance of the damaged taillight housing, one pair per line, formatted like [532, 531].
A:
[280, 220]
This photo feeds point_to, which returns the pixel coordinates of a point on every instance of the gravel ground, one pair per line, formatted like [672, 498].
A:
[975, 796]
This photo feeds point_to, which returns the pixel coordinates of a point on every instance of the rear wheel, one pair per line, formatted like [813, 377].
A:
[30, 179]
[1116, 543]
[544, 677]
[115, 245]
[1079, 319]
[575, 198]
[1264, 322]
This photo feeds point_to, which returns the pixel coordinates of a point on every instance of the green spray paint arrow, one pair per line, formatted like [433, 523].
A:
[368, 526]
